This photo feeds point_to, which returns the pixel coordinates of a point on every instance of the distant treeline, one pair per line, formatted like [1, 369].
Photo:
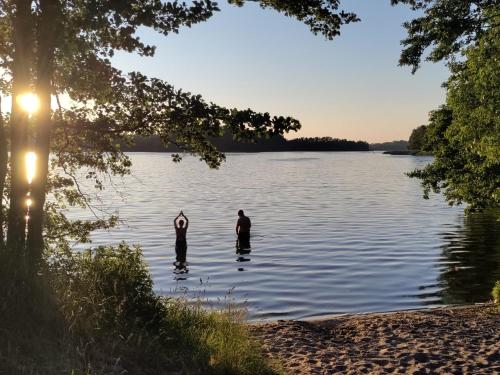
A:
[226, 143]
[401, 145]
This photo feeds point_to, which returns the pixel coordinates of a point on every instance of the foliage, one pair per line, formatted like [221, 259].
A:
[495, 293]
[320, 15]
[416, 141]
[446, 26]
[464, 135]
[96, 313]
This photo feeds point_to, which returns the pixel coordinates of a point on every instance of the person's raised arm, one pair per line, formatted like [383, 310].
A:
[175, 220]
[187, 221]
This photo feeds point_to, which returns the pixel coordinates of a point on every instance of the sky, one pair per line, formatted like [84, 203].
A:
[249, 57]
[350, 87]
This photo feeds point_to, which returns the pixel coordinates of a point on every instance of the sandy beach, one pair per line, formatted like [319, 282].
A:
[454, 340]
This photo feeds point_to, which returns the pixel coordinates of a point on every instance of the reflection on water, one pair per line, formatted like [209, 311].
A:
[332, 232]
[181, 266]
[472, 259]
[181, 270]
[243, 249]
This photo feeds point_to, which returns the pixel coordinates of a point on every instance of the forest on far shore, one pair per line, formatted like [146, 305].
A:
[226, 143]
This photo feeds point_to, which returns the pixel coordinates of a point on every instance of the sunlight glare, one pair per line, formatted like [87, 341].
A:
[29, 102]
[30, 166]
[29, 202]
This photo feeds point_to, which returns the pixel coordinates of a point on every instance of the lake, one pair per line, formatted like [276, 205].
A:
[332, 233]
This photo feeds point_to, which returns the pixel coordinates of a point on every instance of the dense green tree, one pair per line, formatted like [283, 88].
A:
[446, 27]
[416, 140]
[464, 135]
[321, 16]
[63, 47]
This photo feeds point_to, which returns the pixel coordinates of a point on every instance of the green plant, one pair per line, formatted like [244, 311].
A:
[96, 312]
[495, 293]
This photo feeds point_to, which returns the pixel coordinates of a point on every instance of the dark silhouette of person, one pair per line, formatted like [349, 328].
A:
[243, 226]
[180, 237]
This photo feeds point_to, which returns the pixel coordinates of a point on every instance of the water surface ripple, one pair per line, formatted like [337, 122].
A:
[332, 233]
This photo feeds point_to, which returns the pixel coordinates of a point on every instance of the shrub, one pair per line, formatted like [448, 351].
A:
[96, 312]
[495, 293]
[107, 300]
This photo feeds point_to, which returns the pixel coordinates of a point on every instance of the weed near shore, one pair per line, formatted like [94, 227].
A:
[495, 293]
[96, 312]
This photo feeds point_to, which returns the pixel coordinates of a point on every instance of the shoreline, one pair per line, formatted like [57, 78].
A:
[320, 319]
[459, 339]
[334, 316]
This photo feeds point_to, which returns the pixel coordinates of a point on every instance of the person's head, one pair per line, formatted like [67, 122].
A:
[241, 213]
[181, 223]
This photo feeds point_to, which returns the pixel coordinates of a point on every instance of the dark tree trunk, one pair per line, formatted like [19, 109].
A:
[47, 33]
[22, 43]
[4, 159]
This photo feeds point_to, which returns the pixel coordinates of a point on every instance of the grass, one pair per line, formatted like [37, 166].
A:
[96, 312]
[495, 293]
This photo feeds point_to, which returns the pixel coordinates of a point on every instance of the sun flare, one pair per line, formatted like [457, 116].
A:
[30, 166]
[29, 102]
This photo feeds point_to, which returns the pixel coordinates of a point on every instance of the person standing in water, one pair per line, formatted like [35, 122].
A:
[180, 237]
[243, 230]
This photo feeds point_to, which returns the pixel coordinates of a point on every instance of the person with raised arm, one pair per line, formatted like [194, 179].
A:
[180, 237]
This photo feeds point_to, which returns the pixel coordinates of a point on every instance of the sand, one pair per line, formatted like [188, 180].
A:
[457, 340]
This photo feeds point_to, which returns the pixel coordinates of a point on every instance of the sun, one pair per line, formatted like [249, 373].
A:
[29, 102]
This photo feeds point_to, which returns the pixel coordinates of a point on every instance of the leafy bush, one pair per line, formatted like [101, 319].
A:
[495, 293]
[107, 300]
[96, 312]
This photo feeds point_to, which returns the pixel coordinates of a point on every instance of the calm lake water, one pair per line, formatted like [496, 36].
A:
[332, 233]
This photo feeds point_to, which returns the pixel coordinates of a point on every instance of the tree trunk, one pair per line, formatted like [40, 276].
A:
[46, 36]
[22, 43]
[4, 159]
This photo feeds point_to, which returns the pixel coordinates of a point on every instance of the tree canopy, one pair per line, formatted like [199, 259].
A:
[446, 26]
[416, 141]
[464, 134]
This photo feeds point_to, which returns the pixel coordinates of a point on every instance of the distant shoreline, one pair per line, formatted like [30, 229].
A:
[226, 143]
[408, 152]
[248, 152]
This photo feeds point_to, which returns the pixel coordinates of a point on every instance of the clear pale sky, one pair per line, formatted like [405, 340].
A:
[350, 87]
